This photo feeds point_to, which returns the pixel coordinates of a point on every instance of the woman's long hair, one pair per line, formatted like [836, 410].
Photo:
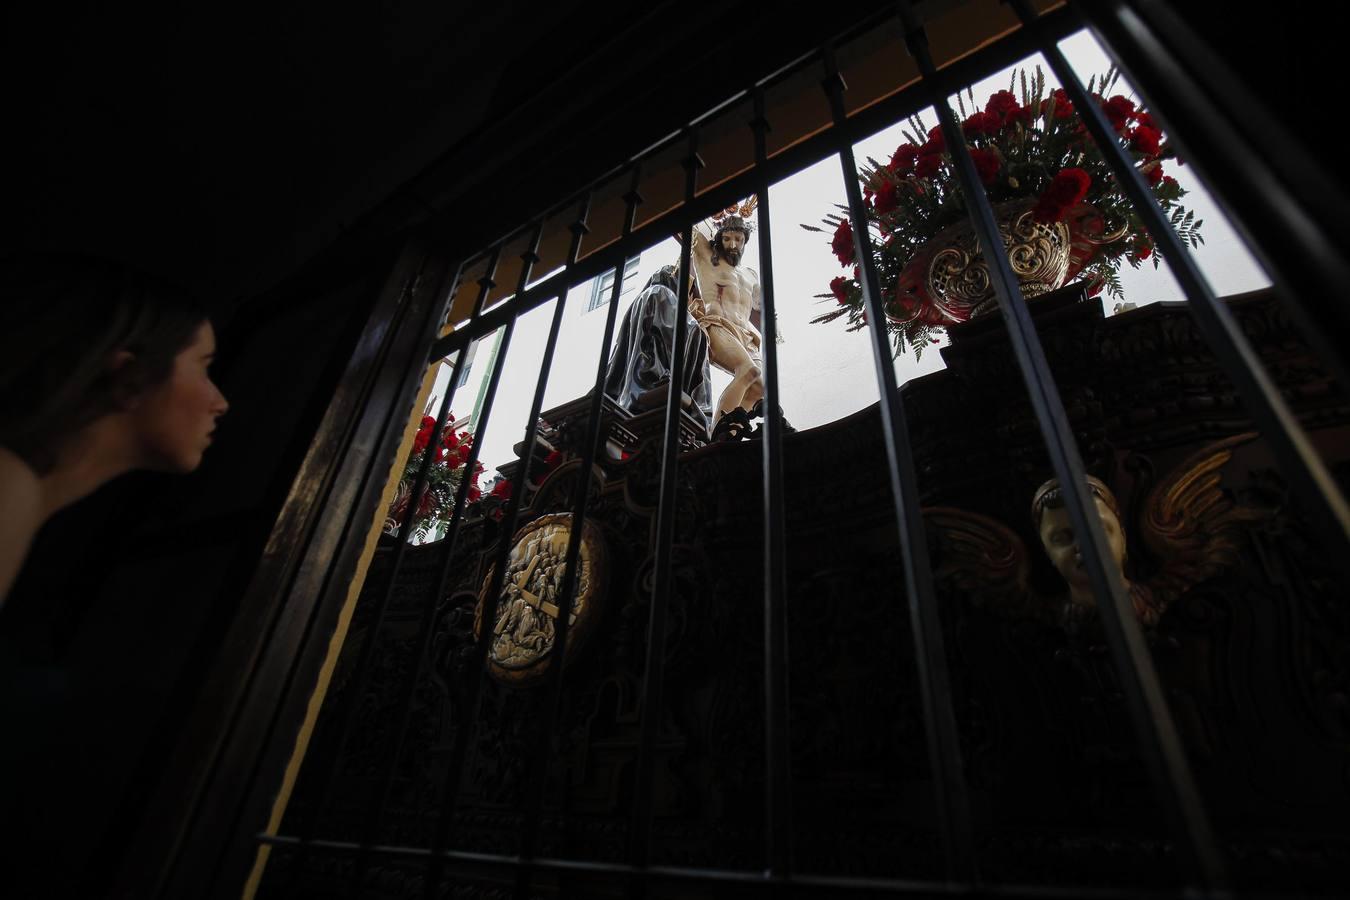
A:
[62, 318]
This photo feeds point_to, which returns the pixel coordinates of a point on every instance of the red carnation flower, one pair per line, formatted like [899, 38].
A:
[428, 422]
[902, 162]
[980, 123]
[502, 490]
[842, 245]
[839, 287]
[987, 164]
[1063, 105]
[1144, 252]
[1001, 105]
[474, 493]
[1146, 140]
[928, 165]
[1144, 120]
[1067, 188]
[1168, 181]
[1154, 174]
[886, 199]
[936, 142]
[1120, 110]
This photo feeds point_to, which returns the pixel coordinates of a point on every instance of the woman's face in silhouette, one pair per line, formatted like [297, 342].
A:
[174, 419]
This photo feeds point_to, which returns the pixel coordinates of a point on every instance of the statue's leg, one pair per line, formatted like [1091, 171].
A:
[726, 352]
[755, 392]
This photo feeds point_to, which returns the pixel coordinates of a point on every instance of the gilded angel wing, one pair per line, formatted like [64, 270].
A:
[982, 558]
[1191, 523]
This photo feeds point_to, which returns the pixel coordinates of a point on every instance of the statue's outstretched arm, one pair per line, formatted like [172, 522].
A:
[702, 256]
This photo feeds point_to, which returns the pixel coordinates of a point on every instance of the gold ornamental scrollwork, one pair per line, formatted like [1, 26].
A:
[524, 633]
[958, 277]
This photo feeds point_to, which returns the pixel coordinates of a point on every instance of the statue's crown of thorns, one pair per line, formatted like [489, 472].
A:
[736, 217]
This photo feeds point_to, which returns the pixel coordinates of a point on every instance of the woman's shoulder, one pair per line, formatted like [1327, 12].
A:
[19, 484]
[20, 514]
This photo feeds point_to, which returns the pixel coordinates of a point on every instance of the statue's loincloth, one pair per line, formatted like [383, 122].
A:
[746, 336]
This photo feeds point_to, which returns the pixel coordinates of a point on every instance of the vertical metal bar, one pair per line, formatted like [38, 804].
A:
[511, 514]
[1159, 743]
[459, 750]
[346, 713]
[374, 814]
[1298, 459]
[639, 828]
[1309, 477]
[944, 746]
[487, 282]
[777, 747]
[451, 539]
[537, 774]
[1280, 198]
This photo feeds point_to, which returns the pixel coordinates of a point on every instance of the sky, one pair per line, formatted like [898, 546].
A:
[825, 372]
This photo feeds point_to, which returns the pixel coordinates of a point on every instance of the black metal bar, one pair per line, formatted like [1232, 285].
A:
[375, 812]
[488, 281]
[462, 738]
[747, 879]
[1289, 211]
[653, 681]
[944, 747]
[537, 774]
[1302, 465]
[777, 747]
[1001, 54]
[1159, 743]
[465, 264]
[346, 713]
[512, 510]
[1309, 477]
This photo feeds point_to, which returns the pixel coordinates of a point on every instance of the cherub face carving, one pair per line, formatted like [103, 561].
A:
[1061, 544]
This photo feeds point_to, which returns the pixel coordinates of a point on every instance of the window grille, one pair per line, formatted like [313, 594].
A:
[1130, 37]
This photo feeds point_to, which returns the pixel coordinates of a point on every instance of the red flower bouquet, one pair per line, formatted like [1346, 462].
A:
[437, 500]
[1032, 154]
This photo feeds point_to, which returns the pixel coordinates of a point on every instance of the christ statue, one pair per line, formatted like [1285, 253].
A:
[725, 302]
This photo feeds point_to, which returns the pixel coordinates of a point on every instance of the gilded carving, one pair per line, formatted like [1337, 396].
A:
[523, 633]
[1188, 521]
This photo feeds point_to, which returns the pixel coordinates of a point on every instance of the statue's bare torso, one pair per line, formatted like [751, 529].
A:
[727, 309]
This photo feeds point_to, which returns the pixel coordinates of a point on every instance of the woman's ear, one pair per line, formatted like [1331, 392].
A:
[125, 380]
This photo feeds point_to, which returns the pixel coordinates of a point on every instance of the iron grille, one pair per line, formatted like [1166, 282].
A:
[1132, 39]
